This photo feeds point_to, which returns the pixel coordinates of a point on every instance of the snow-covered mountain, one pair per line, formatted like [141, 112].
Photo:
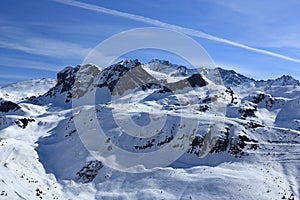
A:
[26, 89]
[225, 136]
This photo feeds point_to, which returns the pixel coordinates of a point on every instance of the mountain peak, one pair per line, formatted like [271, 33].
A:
[233, 79]
[284, 80]
[128, 63]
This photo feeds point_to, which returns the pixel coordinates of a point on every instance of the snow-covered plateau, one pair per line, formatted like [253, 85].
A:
[209, 134]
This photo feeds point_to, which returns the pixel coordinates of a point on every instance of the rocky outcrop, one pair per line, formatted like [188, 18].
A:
[236, 146]
[89, 172]
[73, 82]
[6, 106]
[23, 122]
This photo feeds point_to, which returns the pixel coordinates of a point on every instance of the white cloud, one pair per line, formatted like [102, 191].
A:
[185, 30]
[27, 64]
[14, 76]
[47, 47]
[22, 40]
[290, 40]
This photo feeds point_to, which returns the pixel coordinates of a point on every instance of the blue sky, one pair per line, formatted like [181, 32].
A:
[257, 38]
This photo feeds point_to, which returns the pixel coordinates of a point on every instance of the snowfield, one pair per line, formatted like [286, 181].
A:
[168, 132]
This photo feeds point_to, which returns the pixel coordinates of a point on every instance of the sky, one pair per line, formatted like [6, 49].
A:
[259, 39]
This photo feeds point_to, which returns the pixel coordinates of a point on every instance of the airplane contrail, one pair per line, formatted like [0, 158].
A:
[188, 31]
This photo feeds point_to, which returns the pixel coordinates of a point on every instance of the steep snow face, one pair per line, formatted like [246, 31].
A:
[289, 115]
[26, 89]
[232, 79]
[243, 137]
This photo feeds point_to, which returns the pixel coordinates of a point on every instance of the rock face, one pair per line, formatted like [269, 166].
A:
[66, 78]
[236, 144]
[23, 123]
[111, 75]
[89, 172]
[71, 82]
[6, 106]
[195, 80]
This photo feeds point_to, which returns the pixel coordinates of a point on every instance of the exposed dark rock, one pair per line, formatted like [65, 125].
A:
[115, 73]
[89, 172]
[182, 69]
[22, 123]
[209, 99]
[119, 78]
[158, 142]
[7, 106]
[204, 107]
[195, 80]
[248, 111]
[3, 193]
[66, 78]
[254, 125]
[149, 144]
[70, 133]
[231, 93]
[167, 140]
[267, 100]
[231, 78]
[224, 143]
[73, 82]
[196, 145]
[221, 142]
[259, 98]
[86, 79]
[238, 145]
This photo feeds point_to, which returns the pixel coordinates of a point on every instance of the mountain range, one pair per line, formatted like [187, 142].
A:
[204, 133]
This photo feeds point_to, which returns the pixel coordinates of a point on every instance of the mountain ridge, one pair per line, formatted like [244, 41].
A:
[242, 134]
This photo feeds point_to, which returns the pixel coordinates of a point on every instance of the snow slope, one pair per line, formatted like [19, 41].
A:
[26, 89]
[244, 145]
